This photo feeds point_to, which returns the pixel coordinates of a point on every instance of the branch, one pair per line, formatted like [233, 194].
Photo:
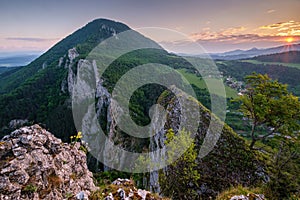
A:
[271, 133]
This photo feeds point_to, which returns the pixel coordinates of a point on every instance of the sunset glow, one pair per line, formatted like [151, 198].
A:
[289, 39]
[218, 26]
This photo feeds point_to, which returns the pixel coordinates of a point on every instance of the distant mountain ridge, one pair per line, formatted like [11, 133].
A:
[17, 60]
[285, 57]
[242, 54]
[6, 69]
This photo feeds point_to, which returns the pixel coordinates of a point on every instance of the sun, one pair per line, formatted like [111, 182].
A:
[289, 39]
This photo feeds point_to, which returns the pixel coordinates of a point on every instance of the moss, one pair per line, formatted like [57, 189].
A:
[69, 195]
[29, 188]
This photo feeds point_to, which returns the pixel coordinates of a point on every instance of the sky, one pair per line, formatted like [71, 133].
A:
[217, 25]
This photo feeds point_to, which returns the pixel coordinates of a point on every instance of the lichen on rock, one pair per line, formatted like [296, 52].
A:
[36, 165]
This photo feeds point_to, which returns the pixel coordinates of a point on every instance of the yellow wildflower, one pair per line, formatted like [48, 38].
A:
[79, 135]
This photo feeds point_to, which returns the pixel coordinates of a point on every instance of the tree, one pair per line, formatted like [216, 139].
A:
[284, 171]
[268, 104]
[179, 179]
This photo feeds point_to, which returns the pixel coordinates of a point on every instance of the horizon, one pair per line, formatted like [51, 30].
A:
[9, 54]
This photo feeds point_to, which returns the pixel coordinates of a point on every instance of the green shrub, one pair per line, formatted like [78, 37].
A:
[30, 188]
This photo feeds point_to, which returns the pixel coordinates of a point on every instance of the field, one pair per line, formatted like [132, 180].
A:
[200, 83]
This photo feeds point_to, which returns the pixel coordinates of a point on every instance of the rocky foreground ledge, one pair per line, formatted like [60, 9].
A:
[36, 165]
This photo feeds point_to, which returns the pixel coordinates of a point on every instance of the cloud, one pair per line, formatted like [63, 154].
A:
[272, 32]
[242, 38]
[270, 11]
[31, 39]
[228, 34]
[290, 28]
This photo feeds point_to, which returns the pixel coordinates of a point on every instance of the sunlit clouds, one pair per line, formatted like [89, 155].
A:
[268, 35]
[229, 34]
[290, 28]
[283, 31]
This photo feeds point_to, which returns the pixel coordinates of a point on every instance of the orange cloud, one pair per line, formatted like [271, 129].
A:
[272, 32]
[290, 28]
[207, 34]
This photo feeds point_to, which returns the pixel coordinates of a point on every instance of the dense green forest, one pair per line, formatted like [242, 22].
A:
[286, 57]
[7, 69]
[284, 74]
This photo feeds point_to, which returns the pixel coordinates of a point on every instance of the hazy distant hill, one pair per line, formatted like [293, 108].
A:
[286, 57]
[18, 60]
[6, 69]
[241, 54]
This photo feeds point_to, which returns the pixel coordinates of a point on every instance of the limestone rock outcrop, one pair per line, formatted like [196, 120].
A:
[36, 165]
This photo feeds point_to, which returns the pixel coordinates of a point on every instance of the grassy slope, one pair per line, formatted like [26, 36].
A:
[200, 83]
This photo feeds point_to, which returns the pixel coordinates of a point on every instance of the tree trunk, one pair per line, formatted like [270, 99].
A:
[254, 139]
[252, 143]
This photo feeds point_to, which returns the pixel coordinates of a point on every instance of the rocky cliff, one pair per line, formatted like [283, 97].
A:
[230, 161]
[36, 165]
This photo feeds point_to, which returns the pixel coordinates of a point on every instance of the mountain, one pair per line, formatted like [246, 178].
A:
[36, 92]
[242, 54]
[88, 37]
[41, 93]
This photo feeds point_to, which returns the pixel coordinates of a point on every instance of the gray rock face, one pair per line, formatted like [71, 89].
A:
[68, 83]
[36, 165]
[229, 163]
[72, 54]
[16, 123]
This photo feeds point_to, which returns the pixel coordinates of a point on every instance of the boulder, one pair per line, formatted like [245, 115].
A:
[34, 164]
